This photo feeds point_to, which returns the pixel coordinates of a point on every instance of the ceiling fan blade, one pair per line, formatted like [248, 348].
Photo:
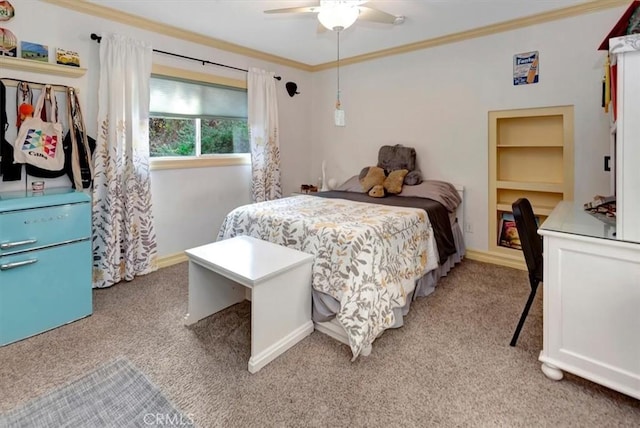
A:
[305, 9]
[375, 15]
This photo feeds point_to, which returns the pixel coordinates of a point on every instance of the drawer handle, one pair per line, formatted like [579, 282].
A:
[8, 245]
[17, 264]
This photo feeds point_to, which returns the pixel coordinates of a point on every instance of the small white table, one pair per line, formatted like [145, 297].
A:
[279, 281]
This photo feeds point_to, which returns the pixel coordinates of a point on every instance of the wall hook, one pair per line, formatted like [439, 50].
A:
[292, 88]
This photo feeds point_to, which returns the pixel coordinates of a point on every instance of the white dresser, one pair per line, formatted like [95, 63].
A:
[591, 301]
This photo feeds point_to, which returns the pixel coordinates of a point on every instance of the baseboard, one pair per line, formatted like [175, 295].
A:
[332, 329]
[496, 259]
[256, 362]
[171, 260]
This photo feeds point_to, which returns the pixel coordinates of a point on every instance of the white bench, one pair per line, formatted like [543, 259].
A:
[279, 281]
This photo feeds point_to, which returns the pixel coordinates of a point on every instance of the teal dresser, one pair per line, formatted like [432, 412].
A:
[45, 261]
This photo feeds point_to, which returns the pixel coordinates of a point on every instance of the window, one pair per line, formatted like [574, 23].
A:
[176, 136]
[192, 120]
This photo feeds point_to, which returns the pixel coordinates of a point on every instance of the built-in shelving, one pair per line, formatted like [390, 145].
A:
[40, 67]
[530, 155]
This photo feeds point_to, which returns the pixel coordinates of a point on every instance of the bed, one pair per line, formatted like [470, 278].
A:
[373, 256]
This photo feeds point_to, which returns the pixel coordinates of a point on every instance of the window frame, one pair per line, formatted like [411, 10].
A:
[206, 160]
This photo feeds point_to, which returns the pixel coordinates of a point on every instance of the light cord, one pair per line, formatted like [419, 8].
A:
[338, 73]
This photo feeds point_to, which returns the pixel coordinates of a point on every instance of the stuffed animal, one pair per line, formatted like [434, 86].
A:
[25, 111]
[377, 191]
[393, 158]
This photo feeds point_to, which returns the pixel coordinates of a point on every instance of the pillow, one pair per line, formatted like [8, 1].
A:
[440, 191]
[393, 182]
[377, 191]
[413, 178]
[391, 158]
[351, 185]
[374, 177]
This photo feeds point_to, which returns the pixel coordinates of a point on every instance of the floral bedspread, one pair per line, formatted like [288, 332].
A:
[367, 256]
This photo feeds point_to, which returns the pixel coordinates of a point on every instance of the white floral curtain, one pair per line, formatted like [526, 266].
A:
[263, 132]
[124, 239]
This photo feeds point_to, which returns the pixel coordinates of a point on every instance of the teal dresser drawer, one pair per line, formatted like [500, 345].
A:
[45, 261]
[39, 224]
[40, 227]
[36, 295]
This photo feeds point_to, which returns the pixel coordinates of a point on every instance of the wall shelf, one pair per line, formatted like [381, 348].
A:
[531, 156]
[41, 67]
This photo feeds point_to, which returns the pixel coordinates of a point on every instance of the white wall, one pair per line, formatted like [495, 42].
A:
[437, 100]
[189, 205]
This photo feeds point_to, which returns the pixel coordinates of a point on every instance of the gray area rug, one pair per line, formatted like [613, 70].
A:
[115, 395]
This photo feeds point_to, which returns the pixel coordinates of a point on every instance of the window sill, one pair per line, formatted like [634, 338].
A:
[186, 162]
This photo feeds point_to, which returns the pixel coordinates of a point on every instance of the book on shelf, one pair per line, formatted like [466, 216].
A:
[508, 232]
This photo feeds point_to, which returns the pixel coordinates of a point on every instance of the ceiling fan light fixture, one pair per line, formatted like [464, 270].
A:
[339, 16]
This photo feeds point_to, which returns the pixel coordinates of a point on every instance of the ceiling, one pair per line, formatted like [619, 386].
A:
[295, 36]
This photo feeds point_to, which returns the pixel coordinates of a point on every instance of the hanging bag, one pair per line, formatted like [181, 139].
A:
[32, 169]
[39, 142]
[78, 146]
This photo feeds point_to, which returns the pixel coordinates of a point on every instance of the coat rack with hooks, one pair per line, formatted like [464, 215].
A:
[9, 81]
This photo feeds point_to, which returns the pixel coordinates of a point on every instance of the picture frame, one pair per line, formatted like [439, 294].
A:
[34, 51]
[526, 68]
[66, 57]
[8, 43]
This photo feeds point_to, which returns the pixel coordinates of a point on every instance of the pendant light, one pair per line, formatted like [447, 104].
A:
[339, 113]
[338, 15]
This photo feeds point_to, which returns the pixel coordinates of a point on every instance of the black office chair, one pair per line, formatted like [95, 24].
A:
[531, 244]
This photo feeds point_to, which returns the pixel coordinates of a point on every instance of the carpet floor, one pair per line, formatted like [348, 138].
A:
[450, 365]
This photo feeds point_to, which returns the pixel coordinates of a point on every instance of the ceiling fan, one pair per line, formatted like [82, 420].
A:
[337, 15]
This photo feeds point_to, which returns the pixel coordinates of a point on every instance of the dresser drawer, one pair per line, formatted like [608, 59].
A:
[44, 289]
[39, 227]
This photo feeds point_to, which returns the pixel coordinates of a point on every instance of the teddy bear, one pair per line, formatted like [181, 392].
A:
[395, 168]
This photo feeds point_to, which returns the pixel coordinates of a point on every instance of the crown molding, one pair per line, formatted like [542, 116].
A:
[146, 24]
[84, 6]
[500, 27]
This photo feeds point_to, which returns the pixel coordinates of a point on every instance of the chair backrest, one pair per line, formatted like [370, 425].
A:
[530, 241]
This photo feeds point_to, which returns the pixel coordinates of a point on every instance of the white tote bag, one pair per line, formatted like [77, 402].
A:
[39, 143]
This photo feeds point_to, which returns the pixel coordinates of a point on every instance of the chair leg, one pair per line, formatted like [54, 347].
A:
[525, 312]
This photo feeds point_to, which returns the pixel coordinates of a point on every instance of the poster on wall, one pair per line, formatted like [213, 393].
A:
[526, 67]
[34, 51]
[65, 57]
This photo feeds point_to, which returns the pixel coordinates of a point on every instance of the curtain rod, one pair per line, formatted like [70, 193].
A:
[97, 38]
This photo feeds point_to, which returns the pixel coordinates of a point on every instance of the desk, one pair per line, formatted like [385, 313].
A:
[591, 301]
